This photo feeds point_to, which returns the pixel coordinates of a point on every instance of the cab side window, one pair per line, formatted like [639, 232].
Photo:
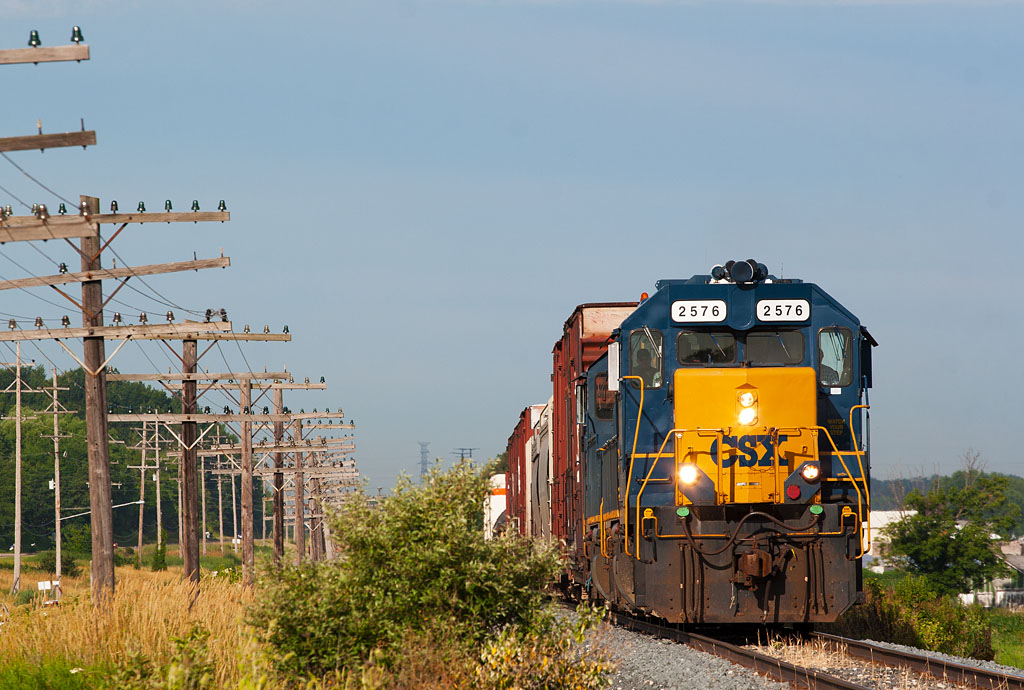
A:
[604, 399]
[835, 357]
[645, 356]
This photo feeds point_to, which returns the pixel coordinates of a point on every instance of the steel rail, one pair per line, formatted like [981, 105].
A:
[942, 669]
[769, 666]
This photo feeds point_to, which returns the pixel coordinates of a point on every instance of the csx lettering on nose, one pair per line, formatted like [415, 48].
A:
[752, 449]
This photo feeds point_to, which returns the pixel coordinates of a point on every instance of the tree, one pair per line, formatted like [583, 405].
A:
[952, 539]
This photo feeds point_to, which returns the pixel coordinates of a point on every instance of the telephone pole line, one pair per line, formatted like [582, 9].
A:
[57, 436]
[19, 390]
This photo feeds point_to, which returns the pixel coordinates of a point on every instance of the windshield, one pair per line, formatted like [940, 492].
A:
[706, 347]
[774, 347]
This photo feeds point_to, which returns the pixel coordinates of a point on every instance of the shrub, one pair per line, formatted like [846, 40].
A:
[546, 659]
[125, 555]
[47, 562]
[913, 613]
[25, 596]
[77, 539]
[160, 553]
[190, 668]
[414, 565]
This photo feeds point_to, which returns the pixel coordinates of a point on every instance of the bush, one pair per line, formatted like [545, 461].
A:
[913, 613]
[546, 658]
[47, 562]
[125, 555]
[160, 553]
[25, 596]
[191, 667]
[414, 566]
[77, 539]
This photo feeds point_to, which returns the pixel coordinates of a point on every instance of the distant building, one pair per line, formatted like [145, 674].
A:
[1003, 591]
[880, 519]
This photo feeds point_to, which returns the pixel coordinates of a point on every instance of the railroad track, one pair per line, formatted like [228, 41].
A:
[942, 669]
[766, 665]
[786, 672]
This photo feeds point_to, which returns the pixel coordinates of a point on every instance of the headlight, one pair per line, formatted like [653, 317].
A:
[746, 399]
[688, 473]
[747, 416]
[810, 472]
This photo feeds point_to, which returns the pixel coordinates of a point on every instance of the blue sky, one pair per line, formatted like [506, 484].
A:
[423, 191]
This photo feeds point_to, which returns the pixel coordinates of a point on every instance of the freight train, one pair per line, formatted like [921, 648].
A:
[704, 453]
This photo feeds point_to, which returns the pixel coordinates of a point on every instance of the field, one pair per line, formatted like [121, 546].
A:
[1008, 637]
[149, 627]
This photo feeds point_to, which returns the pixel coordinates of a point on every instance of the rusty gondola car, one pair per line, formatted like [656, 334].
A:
[708, 451]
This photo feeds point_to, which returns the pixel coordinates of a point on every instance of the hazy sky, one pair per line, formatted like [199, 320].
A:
[423, 191]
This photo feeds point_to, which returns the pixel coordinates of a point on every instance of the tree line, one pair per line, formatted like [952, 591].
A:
[37, 465]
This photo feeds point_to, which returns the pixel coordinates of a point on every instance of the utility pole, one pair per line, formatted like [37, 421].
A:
[19, 389]
[56, 480]
[278, 481]
[202, 488]
[142, 490]
[234, 514]
[17, 474]
[246, 418]
[190, 542]
[94, 356]
[17, 477]
[86, 226]
[248, 562]
[300, 529]
[181, 522]
[159, 520]
[220, 501]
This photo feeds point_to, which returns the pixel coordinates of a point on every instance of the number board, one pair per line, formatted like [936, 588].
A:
[783, 310]
[698, 310]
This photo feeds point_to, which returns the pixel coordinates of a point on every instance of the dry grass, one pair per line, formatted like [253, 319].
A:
[833, 659]
[149, 608]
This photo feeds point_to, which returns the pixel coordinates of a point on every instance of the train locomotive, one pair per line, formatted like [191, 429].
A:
[704, 453]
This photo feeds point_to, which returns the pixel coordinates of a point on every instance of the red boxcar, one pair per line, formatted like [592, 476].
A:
[584, 339]
[518, 510]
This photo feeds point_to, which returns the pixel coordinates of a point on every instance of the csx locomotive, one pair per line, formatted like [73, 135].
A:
[704, 454]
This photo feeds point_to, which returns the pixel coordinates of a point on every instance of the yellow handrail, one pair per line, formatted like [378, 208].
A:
[672, 433]
[644, 486]
[860, 497]
[863, 477]
[636, 434]
[600, 530]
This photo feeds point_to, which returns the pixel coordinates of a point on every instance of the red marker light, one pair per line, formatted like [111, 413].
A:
[793, 492]
[643, 296]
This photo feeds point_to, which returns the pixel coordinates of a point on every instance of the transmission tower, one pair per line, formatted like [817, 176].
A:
[424, 455]
[464, 453]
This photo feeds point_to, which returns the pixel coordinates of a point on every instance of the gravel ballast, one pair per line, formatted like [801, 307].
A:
[649, 662]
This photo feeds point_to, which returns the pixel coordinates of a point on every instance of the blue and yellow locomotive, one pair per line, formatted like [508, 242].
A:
[714, 460]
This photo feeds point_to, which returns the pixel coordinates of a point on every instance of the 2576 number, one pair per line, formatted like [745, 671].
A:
[783, 310]
[698, 310]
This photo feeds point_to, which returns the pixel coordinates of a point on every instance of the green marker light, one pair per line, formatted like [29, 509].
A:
[682, 512]
[816, 510]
